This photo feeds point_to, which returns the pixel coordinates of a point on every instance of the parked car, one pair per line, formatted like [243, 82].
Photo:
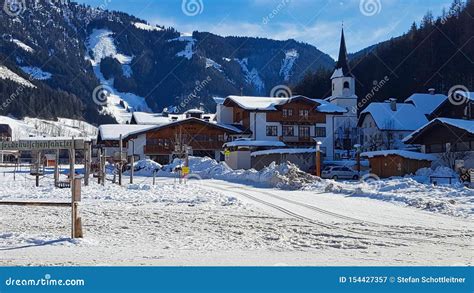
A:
[339, 172]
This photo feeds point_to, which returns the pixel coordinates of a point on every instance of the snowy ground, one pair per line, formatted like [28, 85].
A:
[218, 222]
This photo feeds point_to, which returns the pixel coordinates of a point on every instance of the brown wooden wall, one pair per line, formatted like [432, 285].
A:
[197, 135]
[393, 165]
[313, 115]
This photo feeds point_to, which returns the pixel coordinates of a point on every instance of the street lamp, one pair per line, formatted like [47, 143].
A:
[318, 157]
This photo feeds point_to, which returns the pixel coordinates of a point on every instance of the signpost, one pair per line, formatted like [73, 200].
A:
[55, 144]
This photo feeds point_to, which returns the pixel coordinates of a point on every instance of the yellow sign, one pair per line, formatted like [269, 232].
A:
[227, 152]
[185, 170]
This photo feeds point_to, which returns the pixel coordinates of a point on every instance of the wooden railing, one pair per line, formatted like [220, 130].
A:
[196, 145]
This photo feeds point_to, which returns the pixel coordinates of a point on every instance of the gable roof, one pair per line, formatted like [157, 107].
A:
[250, 103]
[426, 103]
[145, 118]
[405, 118]
[461, 124]
[113, 131]
[401, 153]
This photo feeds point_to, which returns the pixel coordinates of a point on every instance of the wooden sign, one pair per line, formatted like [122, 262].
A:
[42, 144]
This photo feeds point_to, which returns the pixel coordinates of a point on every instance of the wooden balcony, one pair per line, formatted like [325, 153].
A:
[196, 145]
[295, 139]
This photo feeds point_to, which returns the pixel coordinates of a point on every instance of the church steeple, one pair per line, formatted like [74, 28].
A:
[343, 82]
[342, 59]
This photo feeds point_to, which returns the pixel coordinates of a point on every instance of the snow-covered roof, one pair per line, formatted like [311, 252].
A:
[113, 131]
[467, 125]
[257, 103]
[468, 95]
[401, 153]
[270, 103]
[150, 118]
[426, 103]
[194, 111]
[283, 151]
[405, 118]
[254, 143]
[337, 73]
[326, 107]
[330, 98]
[219, 100]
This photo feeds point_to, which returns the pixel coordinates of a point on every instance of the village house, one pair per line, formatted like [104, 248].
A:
[459, 106]
[385, 125]
[297, 121]
[163, 142]
[449, 139]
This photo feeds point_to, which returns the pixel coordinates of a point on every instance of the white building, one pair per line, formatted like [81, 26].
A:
[345, 130]
[385, 125]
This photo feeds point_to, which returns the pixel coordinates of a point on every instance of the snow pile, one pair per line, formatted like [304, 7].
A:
[423, 175]
[284, 176]
[36, 72]
[455, 200]
[145, 168]
[287, 64]
[251, 76]
[6, 73]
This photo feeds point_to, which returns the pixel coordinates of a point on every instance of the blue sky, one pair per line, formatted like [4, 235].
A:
[317, 22]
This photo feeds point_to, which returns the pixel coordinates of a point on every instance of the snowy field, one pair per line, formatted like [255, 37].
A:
[273, 217]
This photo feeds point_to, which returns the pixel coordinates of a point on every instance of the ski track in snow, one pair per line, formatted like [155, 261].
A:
[288, 63]
[101, 44]
[6, 73]
[252, 77]
[211, 222]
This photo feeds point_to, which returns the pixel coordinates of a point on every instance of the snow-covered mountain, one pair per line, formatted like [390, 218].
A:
[63, 59]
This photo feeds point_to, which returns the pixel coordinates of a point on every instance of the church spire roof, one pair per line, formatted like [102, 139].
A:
[342, 62]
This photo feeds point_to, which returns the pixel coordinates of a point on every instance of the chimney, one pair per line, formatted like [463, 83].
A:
[393, 104]
[431, 91]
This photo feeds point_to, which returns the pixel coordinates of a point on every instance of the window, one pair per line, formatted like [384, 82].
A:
[333, 86]
[290, 112]
[285, 112]
[288, 131]
[272, 131]
[320, 131]
[304, 113]
[346, 85]
[304, 131]
[436, 148]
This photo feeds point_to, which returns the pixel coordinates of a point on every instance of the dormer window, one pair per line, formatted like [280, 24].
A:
[346, 85]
